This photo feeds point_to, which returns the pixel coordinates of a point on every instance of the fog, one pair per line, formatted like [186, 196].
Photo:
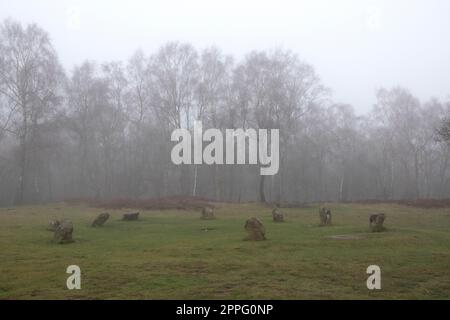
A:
[356, 92]
[355, 46]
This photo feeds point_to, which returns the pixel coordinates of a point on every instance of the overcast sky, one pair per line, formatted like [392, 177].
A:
[356, 46]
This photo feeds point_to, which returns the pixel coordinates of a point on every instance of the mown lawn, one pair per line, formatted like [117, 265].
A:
[168, 254]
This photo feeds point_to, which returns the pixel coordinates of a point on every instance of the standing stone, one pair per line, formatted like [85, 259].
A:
[325, 216]
[255, 230]
[207, 213]
[328, 220]
[101, 219]
[63, 233]
[376, 221]
[53, 225]
[322, 216]
[277, 215]
[130, 216]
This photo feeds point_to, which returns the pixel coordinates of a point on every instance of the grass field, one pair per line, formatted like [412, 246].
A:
[169, 255]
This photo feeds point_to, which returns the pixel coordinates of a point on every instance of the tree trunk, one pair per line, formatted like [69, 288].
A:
[194, 189]
[262, 195]
[22, 179]
[341, 188]
[416, 176]
[23, 160]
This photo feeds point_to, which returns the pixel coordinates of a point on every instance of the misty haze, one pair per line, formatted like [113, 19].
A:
[92, 94]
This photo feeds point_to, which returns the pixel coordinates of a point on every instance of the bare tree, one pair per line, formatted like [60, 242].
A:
[87, 95]
[29, 79]
[175, 72]
[277, 89]
[105, 131]
[139, 113]
[212, 96]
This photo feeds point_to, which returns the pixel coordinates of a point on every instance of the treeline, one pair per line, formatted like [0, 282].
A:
[103, 130]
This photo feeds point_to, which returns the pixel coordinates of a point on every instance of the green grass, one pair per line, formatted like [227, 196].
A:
[168, 255]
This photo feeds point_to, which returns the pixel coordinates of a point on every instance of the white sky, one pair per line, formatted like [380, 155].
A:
[355, 46]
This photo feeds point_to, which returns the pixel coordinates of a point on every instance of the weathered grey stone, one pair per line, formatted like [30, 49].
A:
[101, 219]
[63, 233]
[207, 213]
[53, 225]
[376, 221]
[255, 230]
[277, 215]
[130, 216]
[325, 216]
